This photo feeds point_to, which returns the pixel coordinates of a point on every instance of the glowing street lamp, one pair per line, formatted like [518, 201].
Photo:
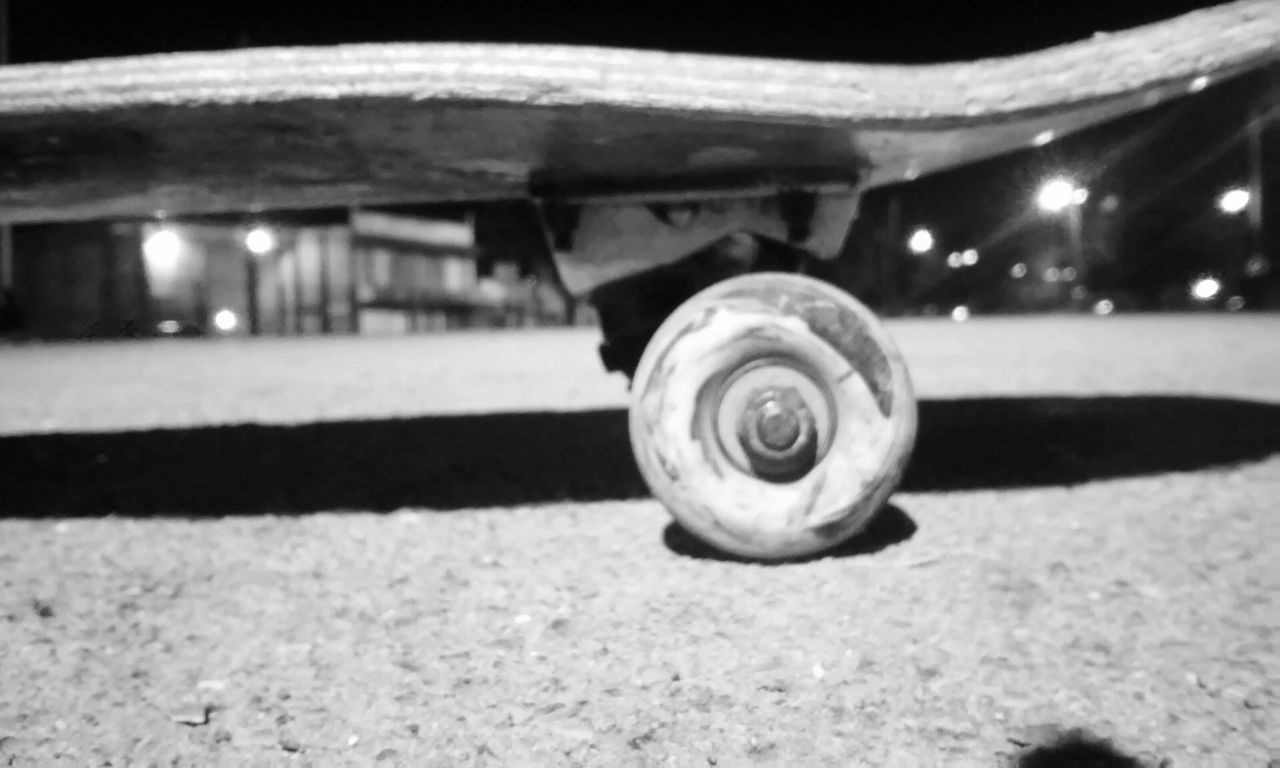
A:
[260, 241]
[965, 258]
[163, 256]
[921, 241]
[1206, 288]
[1059, 194]
[225, 321]
[1234, 201]
[162, 249]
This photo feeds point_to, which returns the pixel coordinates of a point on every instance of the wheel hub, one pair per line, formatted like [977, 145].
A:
[776, 425]
[774, 421]
[777, 433]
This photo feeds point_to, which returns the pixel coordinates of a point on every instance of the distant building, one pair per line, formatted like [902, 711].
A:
[364, 272]
[78, 280]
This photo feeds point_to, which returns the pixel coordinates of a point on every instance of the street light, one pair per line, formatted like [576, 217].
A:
[921, 241]
[965, 258]
[225, 321]
[1234, 201]
[162, 249]
[1058, 194]
[1206, 288]
[260, 241]
[1062, 195]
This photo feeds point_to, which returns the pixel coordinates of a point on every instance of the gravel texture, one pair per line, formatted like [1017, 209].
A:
[434, 551]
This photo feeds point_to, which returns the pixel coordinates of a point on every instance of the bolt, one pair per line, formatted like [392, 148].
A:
[778, 433]
[777, 425]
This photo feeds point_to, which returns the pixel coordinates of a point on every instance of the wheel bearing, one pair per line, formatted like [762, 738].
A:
[777, 432]
[771, 419]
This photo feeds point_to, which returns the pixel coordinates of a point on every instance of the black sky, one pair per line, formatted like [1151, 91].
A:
[848, 30]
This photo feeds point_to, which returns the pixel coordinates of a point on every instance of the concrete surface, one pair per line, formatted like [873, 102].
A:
[436, 551]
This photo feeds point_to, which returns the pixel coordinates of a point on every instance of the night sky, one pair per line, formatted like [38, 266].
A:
[901, 31]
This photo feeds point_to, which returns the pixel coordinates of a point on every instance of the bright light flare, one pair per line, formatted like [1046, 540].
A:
[1233, 201]
[260, 241]
[162, 249]
[1206, 288]
[1057, 194]
[960, 313]
[921, 241]
[1104, 307]
[969, 257]
[225, 321]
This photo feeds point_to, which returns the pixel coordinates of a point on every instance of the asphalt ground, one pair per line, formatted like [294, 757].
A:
[437, 551]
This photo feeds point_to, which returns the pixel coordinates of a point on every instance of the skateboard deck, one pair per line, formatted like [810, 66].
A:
[349, 125]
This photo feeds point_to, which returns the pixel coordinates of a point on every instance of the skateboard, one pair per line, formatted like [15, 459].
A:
[771, 413]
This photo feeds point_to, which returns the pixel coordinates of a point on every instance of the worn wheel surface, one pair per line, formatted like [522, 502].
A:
[772, 415]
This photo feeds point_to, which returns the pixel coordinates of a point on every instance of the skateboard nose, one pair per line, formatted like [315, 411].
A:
[777, 432]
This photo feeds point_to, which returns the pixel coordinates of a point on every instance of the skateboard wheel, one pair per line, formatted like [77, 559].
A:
[772, 415]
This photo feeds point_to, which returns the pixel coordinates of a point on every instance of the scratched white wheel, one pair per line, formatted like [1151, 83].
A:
[772, 415]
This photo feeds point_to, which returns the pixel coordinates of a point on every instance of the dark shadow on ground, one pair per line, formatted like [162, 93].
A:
[1077, 749]
[457, 462]
[995, 443]
[891, 526]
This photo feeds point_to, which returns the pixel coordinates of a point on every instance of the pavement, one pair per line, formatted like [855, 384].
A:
[437, 551]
